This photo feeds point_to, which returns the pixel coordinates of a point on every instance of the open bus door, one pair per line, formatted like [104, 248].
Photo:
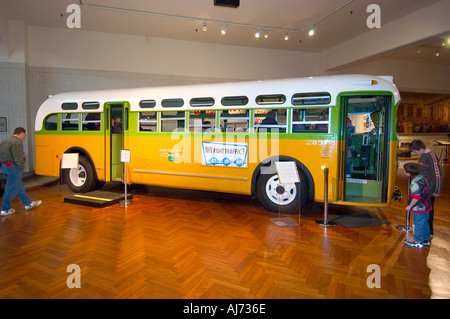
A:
[117, 116]
[365, 157]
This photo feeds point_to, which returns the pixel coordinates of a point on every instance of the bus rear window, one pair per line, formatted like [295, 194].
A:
[51, 122]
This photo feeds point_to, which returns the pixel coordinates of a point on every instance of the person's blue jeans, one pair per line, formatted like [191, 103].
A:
[14, 187]
[421, 227]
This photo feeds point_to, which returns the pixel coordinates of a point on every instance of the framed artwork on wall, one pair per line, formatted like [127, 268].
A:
[420, 113]
[3, 124]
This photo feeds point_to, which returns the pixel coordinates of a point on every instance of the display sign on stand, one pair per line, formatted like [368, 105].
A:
[125, 157]
[287, 175]
[69, 160]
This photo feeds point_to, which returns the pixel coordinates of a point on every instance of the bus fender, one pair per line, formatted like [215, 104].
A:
[269, 165]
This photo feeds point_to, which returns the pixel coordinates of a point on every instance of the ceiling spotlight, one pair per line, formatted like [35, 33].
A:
[257, 33]
[419, 50]
[311, 31]
[286, 36]
[204, 27]
[266, 34]
[437, 52]
[224, 30]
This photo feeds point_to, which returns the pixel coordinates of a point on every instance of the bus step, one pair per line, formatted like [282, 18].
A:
[98, 199]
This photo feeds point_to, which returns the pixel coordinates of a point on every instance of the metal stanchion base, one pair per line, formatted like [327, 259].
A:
[325, 223]
[404, 228]
[126, 202]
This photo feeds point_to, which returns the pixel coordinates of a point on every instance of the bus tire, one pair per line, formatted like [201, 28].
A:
[281, 198]
[81, 179]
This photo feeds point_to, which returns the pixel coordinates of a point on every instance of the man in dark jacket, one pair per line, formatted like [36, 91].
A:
[431, 170]
[12, 161]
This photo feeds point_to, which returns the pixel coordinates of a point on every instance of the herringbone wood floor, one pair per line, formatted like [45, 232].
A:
[185, 244]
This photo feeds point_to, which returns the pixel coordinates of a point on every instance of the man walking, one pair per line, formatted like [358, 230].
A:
[12, 161]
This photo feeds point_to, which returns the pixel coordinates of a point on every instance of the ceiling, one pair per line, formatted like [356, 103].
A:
[333, 29]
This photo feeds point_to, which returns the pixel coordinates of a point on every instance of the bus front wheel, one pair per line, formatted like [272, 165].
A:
[81, 179]
[283, 198]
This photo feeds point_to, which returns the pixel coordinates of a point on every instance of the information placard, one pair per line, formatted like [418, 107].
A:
[125, 156]
[287, 172]
[69, 160]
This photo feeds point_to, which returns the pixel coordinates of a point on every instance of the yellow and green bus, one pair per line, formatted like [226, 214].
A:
[227, 138]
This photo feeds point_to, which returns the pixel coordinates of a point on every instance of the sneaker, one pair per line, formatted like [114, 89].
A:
[33, 205]
[8, 212]
[412, 243]
[426, 242]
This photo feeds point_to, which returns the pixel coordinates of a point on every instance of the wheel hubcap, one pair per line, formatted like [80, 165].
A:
[280, 194]
[78, 176]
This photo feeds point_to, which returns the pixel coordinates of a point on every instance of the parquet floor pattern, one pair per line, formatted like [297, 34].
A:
[185, 244]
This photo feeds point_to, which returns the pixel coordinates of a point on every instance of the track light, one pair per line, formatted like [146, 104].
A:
[204, 27]
[437, 52]
[266, 34]
[286, 36]
[224, 30]
[311, 31]
[257, 33]
[419, 50]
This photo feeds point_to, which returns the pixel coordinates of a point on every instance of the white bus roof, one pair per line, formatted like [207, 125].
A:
[334, 85]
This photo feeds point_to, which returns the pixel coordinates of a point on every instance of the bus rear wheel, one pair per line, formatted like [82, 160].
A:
[282, 198]
[81, 179]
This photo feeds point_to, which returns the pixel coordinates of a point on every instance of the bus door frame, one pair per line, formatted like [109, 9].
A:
[382, 172]
[115, 142]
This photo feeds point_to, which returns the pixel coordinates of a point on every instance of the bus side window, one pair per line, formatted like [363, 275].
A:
[310, 120]
[51, 122]
[268, 120]
[91, 121]
[70, 121]
[234, 120]
[147, 122]
[202, 121]
[172, 121]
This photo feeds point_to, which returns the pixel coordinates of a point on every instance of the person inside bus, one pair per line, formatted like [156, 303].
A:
[117, 125]
[269, 120]
[297, 127]
[206, 126]
[323, 117]
[348, 144]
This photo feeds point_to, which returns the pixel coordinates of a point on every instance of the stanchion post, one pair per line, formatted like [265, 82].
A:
[125, 156]
[325, 222]
[407, 226]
